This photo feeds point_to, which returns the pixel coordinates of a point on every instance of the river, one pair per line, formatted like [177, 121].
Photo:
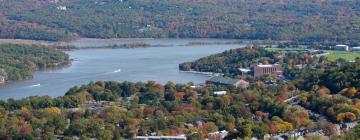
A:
[141, 64]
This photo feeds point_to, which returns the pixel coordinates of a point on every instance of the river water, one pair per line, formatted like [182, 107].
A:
[142, 64]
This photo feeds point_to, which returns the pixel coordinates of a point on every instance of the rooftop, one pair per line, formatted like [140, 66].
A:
[244, 70]
[267, 65]
[161, 137]
[341, 45]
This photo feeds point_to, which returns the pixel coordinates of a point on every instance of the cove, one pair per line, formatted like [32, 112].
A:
[141, 64]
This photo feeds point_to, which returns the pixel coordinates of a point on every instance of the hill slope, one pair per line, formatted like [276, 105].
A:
[311, 20]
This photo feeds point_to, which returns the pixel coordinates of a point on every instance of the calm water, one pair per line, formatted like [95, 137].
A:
[170, 42]
[142, 64]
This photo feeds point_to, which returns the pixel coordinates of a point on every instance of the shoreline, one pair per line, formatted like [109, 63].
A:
[192, 41]
[210, 74]
[49, 68]
[24, 41]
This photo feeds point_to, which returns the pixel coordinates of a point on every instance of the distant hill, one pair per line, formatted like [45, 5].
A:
[303, 21]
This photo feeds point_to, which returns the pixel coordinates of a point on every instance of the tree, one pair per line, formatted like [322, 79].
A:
[329, 129]
[349, 92]
[323, 90]
[105, 135]
[207, 128]
[347, 116]
[259, 131]
[196, 136]
[78, 127]
[247, 131]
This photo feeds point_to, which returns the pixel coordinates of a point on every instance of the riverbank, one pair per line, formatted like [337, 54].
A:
[124, 46]
[24, 41]
[33, 70]
[99, 42]
[209, 74]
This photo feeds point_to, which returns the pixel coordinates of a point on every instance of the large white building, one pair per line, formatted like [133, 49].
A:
[355, 49]
[341, 47]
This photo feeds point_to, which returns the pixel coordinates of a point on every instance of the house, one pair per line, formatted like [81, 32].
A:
[220, 80]
[341, 48]
[181, 137]
[260, 70]
[188, 125]
[63, 8]
[218, 93]
[218, 135]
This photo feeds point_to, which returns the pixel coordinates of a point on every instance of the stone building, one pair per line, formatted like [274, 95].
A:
[260, 70]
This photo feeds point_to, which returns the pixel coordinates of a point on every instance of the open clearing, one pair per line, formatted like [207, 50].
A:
[349, 56]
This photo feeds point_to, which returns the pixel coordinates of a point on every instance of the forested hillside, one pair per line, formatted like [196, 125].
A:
[20, 61]
[27, 30]
[305, 21]
[230, 61]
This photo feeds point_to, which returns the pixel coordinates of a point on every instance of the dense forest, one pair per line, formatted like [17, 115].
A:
[19, 61]
[33, 31]
[336, 78]
[299, 21]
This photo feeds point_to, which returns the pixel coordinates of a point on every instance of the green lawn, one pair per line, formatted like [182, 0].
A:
[349, 56]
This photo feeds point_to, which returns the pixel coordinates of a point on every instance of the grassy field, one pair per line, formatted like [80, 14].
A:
[287, 49]
[349, 56]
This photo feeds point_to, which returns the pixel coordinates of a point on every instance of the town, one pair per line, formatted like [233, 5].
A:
[179, 69]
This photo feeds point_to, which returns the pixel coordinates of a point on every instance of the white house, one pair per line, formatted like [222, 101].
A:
[219, 134]
[220, 93]
[64, 8]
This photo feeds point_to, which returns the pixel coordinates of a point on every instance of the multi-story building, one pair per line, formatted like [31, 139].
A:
[260, 70]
